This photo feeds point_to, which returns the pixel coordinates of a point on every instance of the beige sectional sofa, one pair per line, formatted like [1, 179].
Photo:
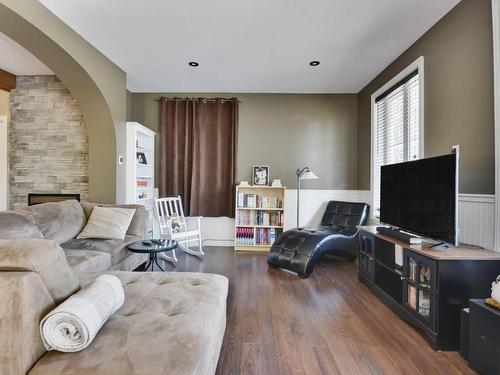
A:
[170, 323]
[63, 221]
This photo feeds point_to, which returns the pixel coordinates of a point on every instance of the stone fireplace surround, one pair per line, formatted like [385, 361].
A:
[48, 143]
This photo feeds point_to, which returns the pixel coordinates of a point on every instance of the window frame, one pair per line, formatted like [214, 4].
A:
[418, 64]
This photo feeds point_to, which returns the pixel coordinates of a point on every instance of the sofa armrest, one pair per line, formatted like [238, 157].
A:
[25, 301]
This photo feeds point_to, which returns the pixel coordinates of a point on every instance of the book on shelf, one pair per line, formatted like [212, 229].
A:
[266, 236]
[271, 236]
[249, 217]
[143, 195]
[257, 236]
[245, 236]
[257, 201]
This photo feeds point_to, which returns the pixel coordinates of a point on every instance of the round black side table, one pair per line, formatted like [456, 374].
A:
[153, 250]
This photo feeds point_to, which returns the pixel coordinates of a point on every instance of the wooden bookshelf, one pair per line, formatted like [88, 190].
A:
[259, 217]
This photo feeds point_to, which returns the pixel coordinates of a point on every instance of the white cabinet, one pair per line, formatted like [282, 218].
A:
[140, 167]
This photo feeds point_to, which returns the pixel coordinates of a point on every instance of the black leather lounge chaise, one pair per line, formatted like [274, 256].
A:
[299, 249]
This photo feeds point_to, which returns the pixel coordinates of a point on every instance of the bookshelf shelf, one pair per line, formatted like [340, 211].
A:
[259, 217]
[140, 142]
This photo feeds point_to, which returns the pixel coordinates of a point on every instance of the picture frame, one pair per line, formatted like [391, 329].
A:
[260, 175]
[141, 158]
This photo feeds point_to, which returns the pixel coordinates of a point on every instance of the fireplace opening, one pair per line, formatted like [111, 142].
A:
[34, 198]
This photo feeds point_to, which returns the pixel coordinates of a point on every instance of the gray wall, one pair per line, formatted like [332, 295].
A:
[458, 95]
[286, 131]
[49, 149]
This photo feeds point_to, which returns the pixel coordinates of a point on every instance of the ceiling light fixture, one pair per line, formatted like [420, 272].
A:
[193, 64]
[314, 63]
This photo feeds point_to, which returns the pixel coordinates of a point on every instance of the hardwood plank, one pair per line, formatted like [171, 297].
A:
[330, 323]
[250, 359]
[326, 361]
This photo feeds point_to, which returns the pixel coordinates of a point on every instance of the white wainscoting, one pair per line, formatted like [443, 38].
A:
[220, 231]
[217, 231]
[476, 219]
[313, 204]
[476, 214]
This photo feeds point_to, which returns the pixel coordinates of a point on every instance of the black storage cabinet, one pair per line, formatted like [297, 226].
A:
[484, 338]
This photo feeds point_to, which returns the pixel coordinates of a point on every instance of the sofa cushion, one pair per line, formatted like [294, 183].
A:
[59, 221]
[131, 262]
[18, 224]
[137, 226]
[44, 257]
[116, 248]
[171, 323]
[83, 261]
[107, 223]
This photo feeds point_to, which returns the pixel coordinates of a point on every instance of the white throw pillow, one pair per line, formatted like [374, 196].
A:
[108, 223]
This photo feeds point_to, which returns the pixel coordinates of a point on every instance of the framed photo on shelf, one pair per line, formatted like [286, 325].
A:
[141, 158]
[260, 175]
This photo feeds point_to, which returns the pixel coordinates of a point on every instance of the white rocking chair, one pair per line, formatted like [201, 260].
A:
[187, 229]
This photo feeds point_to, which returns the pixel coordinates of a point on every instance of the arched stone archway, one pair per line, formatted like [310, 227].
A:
[97, 84]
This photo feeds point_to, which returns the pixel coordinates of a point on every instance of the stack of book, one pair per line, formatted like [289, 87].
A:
[244, 236]
[260, 218]
[269, 202]
[269, 218]
[266, 236]
[256, 201]
[245, 218]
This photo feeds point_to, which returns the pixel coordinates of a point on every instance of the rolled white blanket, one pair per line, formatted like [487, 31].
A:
[72, 325]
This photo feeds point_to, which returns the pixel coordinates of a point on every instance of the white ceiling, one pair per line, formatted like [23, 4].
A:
[250, 45]
[18, 61]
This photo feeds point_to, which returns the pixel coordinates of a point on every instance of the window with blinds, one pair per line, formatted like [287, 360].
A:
[396, 135]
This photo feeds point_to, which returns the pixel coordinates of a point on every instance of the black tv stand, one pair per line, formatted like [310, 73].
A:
[431, 288]
[398, 234]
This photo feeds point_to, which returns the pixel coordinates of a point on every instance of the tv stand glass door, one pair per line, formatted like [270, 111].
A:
[419, 288]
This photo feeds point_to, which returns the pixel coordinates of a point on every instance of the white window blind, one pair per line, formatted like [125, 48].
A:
[396, 129]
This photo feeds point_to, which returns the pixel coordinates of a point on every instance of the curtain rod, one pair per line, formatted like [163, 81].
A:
[204, 99]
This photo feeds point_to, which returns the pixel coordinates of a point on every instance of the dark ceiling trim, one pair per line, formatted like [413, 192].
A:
[7, 80]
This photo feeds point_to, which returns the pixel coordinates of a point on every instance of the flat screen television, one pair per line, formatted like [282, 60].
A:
[420, 197]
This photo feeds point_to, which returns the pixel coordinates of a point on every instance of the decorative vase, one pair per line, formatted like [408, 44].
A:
[495, 289]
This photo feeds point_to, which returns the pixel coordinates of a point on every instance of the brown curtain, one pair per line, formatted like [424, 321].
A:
[198, 139]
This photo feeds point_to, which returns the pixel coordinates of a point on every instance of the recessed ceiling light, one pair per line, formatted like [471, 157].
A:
[314, 63]
[193, 63]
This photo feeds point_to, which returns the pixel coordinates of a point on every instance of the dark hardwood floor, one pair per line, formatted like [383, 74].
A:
[330, 323]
